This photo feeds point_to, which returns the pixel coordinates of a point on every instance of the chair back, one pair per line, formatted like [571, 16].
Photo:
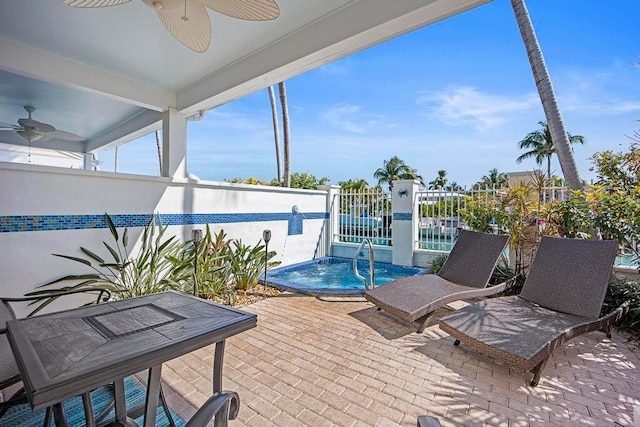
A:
[571, 275]
[473, 258]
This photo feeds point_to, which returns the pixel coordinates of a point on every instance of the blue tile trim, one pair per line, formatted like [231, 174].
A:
[402, 216]
[19, 223]
[295, 225]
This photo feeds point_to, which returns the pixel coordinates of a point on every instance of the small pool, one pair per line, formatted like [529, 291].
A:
[334, 276]
[627, 260]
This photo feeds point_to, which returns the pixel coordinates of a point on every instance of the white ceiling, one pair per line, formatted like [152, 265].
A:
[106, 73]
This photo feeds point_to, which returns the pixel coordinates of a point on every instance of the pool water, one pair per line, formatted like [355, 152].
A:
[335, 275]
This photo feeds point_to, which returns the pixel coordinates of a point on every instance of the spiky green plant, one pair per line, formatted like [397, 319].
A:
[247, 263]
[212, 275]
[125, 274]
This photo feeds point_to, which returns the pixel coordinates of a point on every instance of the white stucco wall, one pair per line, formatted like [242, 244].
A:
[26, 260]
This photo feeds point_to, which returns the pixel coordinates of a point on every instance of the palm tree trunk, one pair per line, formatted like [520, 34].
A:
[159, 147]
[547, 96]
[549, 170]
[276, 130]
[285, 134]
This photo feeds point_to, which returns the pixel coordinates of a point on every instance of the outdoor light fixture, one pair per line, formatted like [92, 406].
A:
[196, 238]
[294, 209]
[266, 236]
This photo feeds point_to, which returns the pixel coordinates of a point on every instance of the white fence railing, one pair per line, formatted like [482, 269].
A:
[439, 212]
[365, 214]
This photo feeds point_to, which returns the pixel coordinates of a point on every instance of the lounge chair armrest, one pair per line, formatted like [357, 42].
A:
[616, 314]
[213, 405]
[502, 286]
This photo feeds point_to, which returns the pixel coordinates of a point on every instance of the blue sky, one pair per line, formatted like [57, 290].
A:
[457, 95]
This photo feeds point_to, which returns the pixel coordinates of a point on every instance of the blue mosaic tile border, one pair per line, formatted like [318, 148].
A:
[22, 223]
[402, 216]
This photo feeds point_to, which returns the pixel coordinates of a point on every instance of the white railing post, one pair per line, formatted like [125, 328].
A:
[333, 209]
[405, 221]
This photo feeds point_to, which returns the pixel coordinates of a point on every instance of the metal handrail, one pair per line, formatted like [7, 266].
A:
[371, 264]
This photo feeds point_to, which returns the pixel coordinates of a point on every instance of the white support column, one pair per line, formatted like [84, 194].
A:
[87, 161]
[333, 208]
[174, 144]
[405, 220]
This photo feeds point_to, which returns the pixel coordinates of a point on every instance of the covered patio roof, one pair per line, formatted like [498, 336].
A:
[108, 74]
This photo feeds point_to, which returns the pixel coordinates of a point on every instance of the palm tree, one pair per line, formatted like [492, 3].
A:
[495, 179]
[411, 173]
[285, 135]
[453, 186]
[440, 181]
[354, 184]
[276, 130]
[558, 132]
[395, 169]
[541, 146]
[390, 171]
[158, 147]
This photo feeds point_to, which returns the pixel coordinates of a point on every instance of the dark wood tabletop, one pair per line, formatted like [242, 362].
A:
[64, 354]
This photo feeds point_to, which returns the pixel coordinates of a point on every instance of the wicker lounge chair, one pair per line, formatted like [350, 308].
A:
[465, 274]
[561, 299]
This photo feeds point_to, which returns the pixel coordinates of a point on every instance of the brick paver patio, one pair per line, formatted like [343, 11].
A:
[313, 362]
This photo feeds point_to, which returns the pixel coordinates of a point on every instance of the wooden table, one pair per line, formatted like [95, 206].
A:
[72, 352]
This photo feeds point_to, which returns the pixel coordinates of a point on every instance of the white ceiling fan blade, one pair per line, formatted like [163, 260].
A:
[250, 10]
[41, 127]
[8, 126]
[60, 134]
[190, 25]
[94, 3]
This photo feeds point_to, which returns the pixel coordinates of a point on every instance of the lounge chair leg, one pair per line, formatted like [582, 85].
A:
[427, 318]
[456, 343]
[537, 372]
[607, 330]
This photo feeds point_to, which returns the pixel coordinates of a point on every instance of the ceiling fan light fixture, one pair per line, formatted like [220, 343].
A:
[30, 134]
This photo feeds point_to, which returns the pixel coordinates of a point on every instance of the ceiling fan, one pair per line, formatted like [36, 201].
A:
[33, 130]
[188, 20]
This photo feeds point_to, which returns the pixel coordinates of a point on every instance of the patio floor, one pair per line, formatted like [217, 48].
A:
[313, 362]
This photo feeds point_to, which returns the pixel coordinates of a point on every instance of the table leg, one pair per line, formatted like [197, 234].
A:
[59, 415]
[218, 360]
[217, 366]
[153, 390]
[88, 410]
[119, 401]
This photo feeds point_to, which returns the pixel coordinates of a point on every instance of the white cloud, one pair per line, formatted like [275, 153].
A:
[596, 108]
[352, 119]
[463, 105]
[599, 92]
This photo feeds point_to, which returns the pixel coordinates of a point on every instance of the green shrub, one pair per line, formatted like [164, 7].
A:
[212, 275]
[620, 291]
[124, 276]
[436, 263]
[247, 263]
